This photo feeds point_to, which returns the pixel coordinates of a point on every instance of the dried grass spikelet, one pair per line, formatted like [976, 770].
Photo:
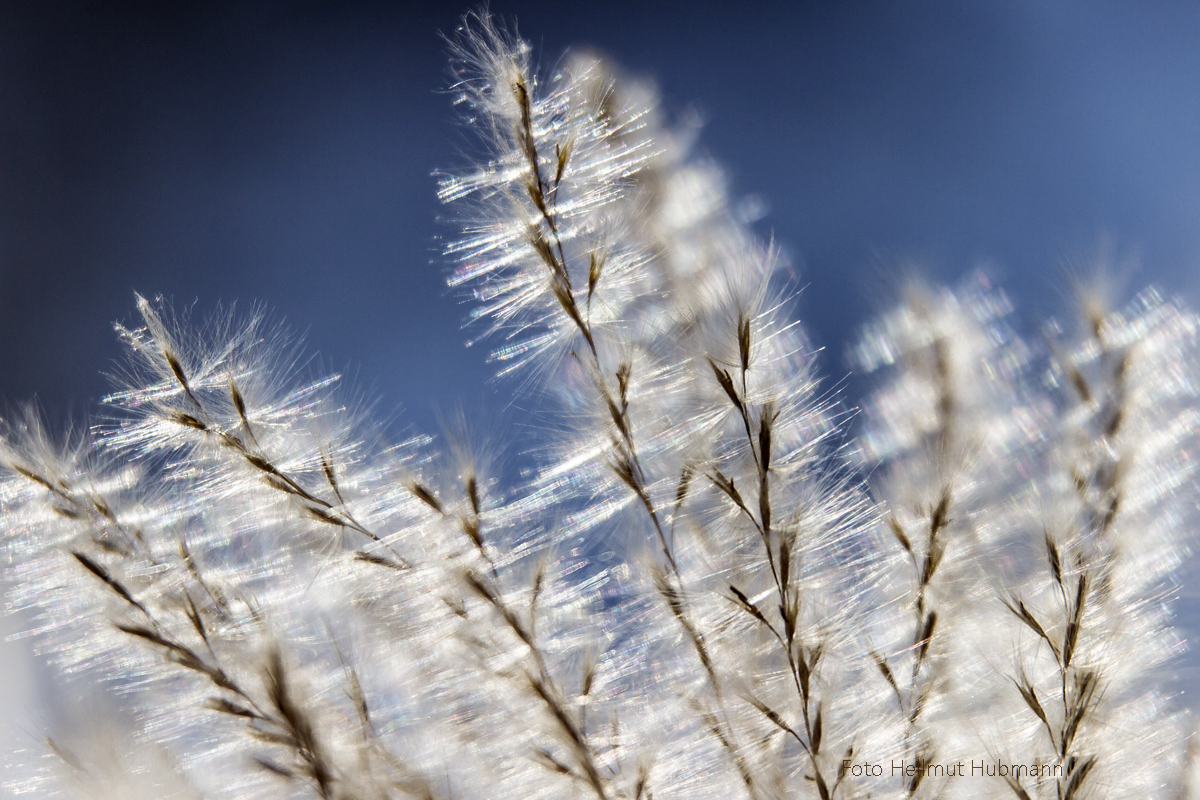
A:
[1111, 496]
[165, 547]
[626, 253]
[948, 426]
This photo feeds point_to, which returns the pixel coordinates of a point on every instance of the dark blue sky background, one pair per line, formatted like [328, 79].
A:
[283, 153]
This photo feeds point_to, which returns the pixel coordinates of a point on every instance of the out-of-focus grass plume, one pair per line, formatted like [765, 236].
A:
[713, 581]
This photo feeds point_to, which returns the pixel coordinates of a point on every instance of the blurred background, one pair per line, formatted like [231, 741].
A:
[284, 153]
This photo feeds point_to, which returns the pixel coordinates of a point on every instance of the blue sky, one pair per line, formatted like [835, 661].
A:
[283, 154]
